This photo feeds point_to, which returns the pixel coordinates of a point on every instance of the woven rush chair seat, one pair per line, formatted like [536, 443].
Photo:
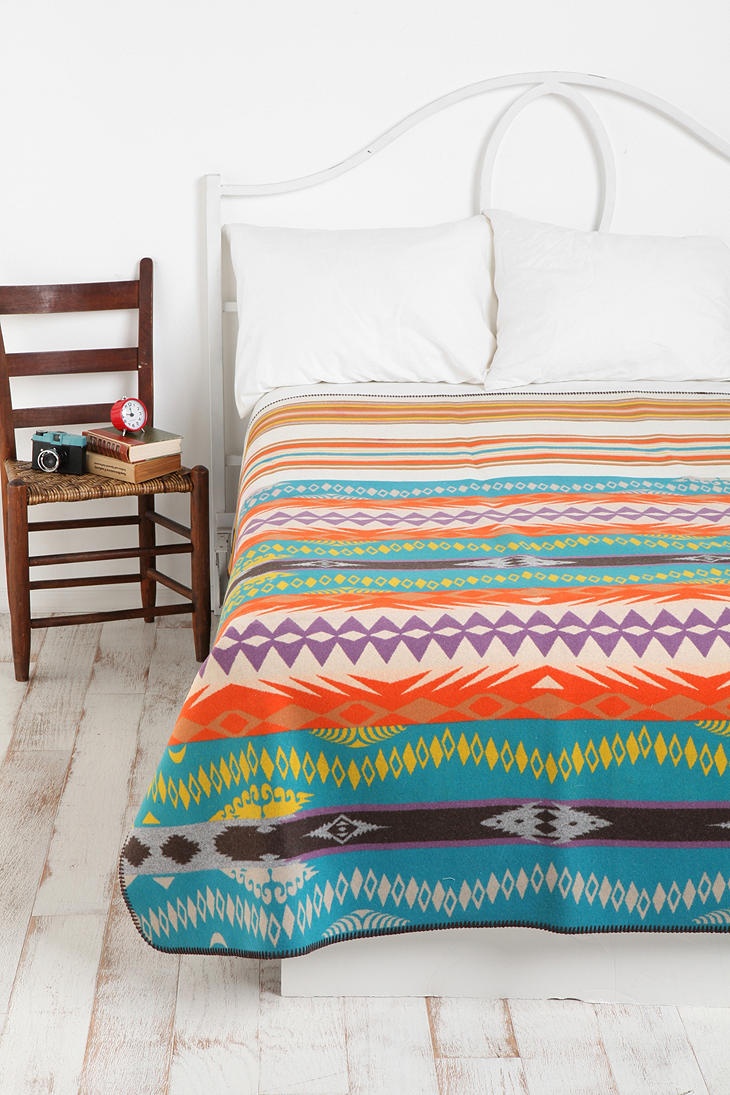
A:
[23, 487]
[50, 487]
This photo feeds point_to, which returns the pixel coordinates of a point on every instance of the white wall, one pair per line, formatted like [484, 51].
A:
[112, 113]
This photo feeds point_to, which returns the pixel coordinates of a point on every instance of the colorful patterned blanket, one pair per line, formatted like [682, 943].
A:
[473, 668]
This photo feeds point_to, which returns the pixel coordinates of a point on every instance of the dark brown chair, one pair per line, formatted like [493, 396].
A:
[23, 487]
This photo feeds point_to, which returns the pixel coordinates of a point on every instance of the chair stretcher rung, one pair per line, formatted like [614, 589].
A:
[168, 523]
[110, 553]
[88, 522]
[105, 617]
[171, 583]
[96, 580]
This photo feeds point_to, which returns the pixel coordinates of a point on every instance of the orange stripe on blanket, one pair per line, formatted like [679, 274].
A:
[305, 412]
[549, 456]
[236, 710]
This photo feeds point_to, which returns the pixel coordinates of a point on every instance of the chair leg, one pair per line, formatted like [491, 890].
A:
[148, 586]
[18, 577]
[200, 561]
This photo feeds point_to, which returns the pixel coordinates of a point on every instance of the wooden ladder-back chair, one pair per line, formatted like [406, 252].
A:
[23, 487]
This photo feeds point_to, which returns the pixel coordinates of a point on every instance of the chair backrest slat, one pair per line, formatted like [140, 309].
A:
[58, 362]
[45, 417]
[83, 297]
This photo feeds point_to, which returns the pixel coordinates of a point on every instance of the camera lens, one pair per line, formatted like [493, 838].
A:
[48, 459]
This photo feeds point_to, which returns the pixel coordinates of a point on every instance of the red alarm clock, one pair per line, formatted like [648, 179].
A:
[130, 414]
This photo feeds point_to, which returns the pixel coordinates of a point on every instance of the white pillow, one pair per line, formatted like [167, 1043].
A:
[594, 306]
[390, 305]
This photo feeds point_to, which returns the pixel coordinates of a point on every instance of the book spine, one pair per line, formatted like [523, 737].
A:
[107, 446]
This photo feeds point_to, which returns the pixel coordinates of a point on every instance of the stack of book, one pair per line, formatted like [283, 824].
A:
[133, 458]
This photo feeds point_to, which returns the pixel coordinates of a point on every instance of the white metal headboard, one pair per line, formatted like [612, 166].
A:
[564, 85]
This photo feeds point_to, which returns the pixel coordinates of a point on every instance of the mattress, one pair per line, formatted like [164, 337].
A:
[472, 669]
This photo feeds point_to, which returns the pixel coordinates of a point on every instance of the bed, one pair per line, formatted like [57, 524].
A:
[472, 669]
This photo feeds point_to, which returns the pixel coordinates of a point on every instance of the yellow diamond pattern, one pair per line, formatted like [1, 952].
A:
[323, 767]
[660, 748]
[338, 772]
[578, 758]
[619, 750]
[675, 750]
[436, 750]
[409, 759]
[632, 747]
[706, 759]
[368, 772]
[551, 768]
[267, 764]
[592, 758]
[294, 764]
[448, 743]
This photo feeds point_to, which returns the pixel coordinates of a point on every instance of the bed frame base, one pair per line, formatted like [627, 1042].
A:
[501, 963]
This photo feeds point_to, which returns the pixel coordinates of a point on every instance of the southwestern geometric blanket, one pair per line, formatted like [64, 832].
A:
[473, 669]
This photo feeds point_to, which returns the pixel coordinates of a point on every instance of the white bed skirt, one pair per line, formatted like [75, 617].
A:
[521, 963]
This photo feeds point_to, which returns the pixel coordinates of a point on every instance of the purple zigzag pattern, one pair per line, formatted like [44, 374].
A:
[321, 638]
[680, 514]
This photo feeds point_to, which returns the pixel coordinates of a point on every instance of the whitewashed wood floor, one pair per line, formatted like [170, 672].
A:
[86, 1006]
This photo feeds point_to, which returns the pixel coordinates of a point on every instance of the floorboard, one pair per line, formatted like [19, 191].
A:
[496, 1076]
[132, 1023]
[301, 1043]
[51, 711]
[708, 1033]
[12, 694]
[389, 1046]
[43, 1043]
[81, 868]
[216, 1023]
[561, 1049]
[30, 789]
[123, 658]
[471, 1028]
[648, 1050]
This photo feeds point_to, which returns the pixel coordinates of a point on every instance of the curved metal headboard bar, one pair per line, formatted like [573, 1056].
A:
[597, 130]
[573, 79]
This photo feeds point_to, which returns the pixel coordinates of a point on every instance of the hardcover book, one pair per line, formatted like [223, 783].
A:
[138, 472]
[132, 447]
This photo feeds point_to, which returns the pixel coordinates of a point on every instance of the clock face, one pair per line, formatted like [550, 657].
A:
[129, 414]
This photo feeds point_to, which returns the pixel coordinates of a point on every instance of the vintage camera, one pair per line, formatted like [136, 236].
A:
[57, 451]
